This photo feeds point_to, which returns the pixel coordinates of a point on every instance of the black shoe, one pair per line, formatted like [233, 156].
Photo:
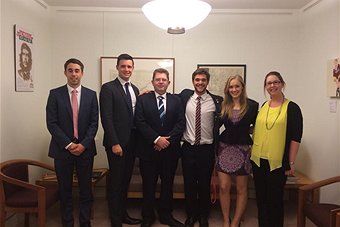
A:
[131, 221]
[85, 225]
[204, 222]
[116, 223]
[171, 221]
[190, 222]
[147, 222]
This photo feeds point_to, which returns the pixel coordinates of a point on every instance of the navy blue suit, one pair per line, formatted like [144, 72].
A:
[60, 124]
[155, 164]
[118, 129]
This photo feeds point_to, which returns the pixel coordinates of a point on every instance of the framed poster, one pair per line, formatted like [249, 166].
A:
[142, 73]
[219, 74]
[333, 78]
[23, 59]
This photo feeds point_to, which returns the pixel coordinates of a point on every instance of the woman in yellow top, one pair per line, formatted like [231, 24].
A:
[277, 135]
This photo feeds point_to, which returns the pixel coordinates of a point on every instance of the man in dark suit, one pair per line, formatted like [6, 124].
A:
[117, 103]
[198, 149]
[72, 120]
[160, 121]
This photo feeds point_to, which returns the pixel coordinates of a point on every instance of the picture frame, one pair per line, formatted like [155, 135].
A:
[333, 78]
[142, 73]
[24, 62]
[219, 74]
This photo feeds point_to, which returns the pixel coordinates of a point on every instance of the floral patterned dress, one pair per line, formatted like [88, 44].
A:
[234, 159]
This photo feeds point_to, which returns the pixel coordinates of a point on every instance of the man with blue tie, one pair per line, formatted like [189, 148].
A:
[160, 121]
[72, 120]
[117, 103]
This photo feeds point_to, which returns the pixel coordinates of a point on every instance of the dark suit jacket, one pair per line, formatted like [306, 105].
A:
[239, 133]
[115, 115]
[149, 124]
[187, 93]
[60, 121]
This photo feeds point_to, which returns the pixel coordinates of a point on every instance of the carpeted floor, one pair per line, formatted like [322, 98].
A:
[101, 215]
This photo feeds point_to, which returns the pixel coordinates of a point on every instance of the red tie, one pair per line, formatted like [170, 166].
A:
[75, 113]
[198, 121]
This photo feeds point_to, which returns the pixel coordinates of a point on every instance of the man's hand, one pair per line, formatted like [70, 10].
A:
[117, 150]
[76, 149]
[162, 143]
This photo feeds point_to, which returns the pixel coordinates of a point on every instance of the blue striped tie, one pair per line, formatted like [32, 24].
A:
[161, 109]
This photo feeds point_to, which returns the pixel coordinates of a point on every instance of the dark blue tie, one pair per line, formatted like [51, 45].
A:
[161, 109]
[129, 100]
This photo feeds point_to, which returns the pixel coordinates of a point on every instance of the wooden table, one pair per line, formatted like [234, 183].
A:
[293, 187]
[97, 175]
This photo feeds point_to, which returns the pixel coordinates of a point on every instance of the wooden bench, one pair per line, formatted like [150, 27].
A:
[136, 190]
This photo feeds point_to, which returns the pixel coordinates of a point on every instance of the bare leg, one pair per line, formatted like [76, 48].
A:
[224, 192]
[241, 199]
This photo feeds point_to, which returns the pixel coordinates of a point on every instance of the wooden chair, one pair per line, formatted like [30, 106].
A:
[337, 219]
[321, 214]
[18, 195]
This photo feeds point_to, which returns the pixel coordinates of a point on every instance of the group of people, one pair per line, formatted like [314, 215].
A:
[159, 128]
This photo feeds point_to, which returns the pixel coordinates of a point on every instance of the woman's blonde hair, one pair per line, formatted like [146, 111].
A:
[228, 103]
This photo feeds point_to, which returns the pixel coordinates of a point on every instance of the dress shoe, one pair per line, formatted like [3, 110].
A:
[131, 221]
[85, 225]
[190, 222]
[204, 222]
[171, 221]
[147, 222]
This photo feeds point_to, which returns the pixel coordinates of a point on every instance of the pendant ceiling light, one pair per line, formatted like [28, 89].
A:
[176, 16]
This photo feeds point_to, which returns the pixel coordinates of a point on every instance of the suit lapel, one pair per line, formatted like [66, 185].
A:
[66, 97]
[121, 91]
[83, 98]
[154, 106]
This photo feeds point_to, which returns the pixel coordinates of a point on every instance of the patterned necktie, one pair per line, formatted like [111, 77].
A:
[198, 121]
[161, 109]
[128, 96]
[75, 112]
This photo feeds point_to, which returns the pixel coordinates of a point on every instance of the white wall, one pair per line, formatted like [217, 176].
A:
[222, 38]
[297, 45]
[24, 133]
[319, 42]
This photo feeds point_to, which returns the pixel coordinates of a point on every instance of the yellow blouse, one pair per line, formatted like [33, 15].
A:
[270, 135]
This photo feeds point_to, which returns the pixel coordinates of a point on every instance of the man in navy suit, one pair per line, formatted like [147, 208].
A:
[198, 154]
[72, 120]
[117, 103]
[160, 121]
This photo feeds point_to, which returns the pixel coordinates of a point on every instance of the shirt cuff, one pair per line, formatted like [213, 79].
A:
[155, 141]
[68, 146]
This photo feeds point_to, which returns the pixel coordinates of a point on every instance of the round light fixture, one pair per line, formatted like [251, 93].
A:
[176, 16]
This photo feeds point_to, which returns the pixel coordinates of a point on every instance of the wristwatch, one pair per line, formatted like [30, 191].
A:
[291, 163]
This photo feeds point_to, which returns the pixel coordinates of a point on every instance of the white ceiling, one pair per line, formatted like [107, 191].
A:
[216, 4]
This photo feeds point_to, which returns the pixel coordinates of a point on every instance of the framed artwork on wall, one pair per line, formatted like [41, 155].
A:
[142, 73]
[23, 59]
[219, 74]
[333, 78]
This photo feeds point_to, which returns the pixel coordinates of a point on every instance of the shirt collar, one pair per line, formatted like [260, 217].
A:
[123, 82]
[157, 95]
[203, 97]
[70, 89]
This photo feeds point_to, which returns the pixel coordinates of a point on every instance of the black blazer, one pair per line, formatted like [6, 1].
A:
[114, 113]
[239, 133]
[187, 93]
[149, 125]
[60, 121]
